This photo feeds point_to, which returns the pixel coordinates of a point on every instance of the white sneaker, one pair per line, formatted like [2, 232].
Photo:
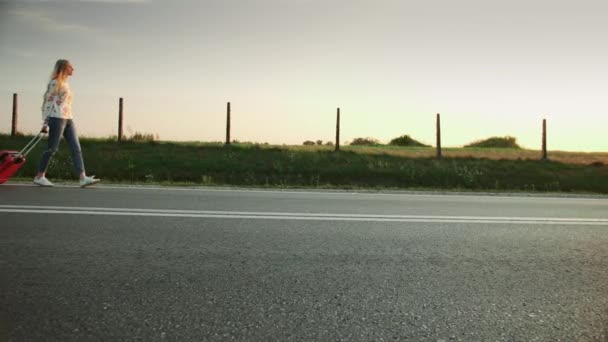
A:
[42, 181]
[86, 181]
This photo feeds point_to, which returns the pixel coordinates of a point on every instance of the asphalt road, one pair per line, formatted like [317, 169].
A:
[159, 264]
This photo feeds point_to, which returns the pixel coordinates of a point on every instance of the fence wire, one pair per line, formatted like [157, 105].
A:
[175, 118]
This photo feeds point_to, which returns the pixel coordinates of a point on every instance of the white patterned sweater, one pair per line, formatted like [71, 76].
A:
[57, 103]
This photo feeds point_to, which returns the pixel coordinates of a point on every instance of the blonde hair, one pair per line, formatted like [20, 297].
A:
[60, 72]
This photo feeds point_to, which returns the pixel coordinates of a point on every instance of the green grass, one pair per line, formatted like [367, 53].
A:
[319, 167]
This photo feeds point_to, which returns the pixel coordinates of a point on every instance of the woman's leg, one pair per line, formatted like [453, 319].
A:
[70, 135]
[56, 128]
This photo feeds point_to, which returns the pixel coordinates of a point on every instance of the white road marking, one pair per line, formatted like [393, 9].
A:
[430, 193]
[296, 216]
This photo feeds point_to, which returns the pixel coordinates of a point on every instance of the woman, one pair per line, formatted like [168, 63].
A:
[57, 116]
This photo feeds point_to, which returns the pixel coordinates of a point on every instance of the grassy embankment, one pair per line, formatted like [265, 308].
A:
[382, 167]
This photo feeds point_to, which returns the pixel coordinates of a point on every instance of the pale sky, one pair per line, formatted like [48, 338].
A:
[491, 68]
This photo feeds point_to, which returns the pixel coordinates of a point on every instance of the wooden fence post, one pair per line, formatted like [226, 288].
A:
[544, 156]
[15, 110]
[120, 119]
[337, 131]
[438, 136]
[228, 124]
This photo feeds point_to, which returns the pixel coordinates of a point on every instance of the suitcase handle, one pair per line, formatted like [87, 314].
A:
[30, 145]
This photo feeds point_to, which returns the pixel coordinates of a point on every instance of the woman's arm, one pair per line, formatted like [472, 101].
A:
[47, 102]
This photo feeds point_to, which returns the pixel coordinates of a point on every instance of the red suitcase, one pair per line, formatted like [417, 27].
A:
[12, 161]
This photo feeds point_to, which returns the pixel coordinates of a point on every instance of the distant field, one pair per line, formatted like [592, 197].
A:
[380, 167]
[581, 158]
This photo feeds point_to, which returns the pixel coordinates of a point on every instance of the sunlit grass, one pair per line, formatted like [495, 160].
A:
[583, 158]
[318, 166]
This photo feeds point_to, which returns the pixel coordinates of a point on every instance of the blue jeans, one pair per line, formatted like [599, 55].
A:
[57, 128]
